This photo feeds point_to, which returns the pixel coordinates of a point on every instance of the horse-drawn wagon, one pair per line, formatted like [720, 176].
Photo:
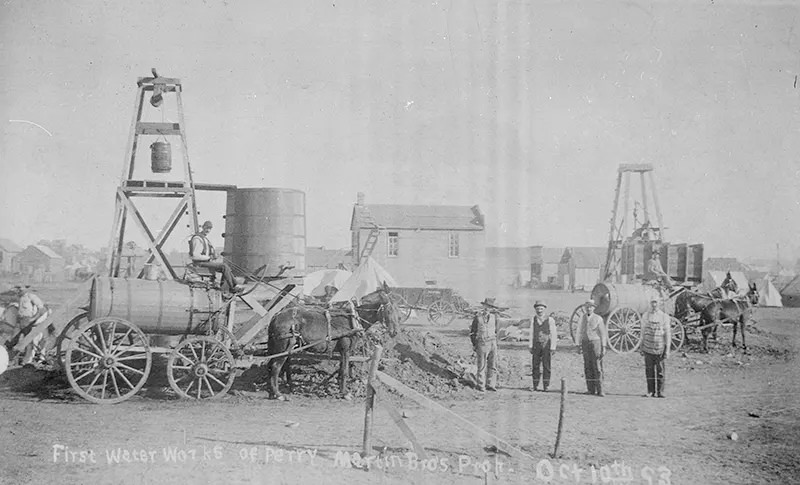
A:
[107, 348]
[622, 307]
[440, 305]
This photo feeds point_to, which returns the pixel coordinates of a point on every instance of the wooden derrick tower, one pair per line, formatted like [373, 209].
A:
[133, 185]
[625, 224]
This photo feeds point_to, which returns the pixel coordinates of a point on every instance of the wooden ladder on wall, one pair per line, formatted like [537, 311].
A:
[372, 237]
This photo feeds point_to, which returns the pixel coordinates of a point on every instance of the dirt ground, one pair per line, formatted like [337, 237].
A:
[50, 435]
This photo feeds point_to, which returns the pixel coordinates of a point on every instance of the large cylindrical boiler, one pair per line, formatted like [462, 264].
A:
[157, 307]
[610, 296]
[266, 226]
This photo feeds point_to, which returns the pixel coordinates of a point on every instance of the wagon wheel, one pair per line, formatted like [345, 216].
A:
[441, 312]
[400, 303]
[107, 360]
[200, 368]
[676, 330]
[66, 336]
[574, 323]
[624, 330]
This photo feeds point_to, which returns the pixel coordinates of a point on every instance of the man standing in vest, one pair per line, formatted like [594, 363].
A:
[542, 344]
[483, 334]
[203, 254]
[594, 339]
[656, 339]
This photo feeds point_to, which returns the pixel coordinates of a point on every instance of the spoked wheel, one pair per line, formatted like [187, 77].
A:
[676, 330]
[200, 368]
[107, 360]
[574, 323]
[403, 309]
[624, 330]
[66, 336]
[441, 312]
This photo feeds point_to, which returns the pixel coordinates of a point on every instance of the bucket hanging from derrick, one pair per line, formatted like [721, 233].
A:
[161, 157]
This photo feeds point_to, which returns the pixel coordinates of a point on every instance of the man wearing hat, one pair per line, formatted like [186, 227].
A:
[542, 344]
[204, 255]
[483, 334]
[594, 339]
[729, 286]
[656, 271]
[656, 340]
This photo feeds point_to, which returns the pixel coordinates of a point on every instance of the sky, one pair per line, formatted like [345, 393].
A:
[524, 108]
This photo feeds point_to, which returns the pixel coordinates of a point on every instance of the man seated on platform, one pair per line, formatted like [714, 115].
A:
[203, 254]
[656, 273]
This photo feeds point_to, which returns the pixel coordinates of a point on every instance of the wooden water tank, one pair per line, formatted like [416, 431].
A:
[156, 307]
[266, 226]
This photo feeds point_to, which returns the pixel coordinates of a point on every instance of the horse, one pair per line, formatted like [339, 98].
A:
[713, 308]
[309, 326]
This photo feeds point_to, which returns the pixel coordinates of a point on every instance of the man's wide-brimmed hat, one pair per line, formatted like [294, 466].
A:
[488, 302]
[208, 224]
[590, 303]
[539, 303]
[655, 298]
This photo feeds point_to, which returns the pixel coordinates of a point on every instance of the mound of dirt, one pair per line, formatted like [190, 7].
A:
[423, 362]
[420, 360]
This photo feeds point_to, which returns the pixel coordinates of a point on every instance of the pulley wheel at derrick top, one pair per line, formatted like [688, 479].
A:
[161, 157]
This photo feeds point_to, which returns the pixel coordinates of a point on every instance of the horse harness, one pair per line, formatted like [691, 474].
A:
[349, 311]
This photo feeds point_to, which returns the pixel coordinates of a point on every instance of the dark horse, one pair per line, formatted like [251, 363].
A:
[714, 309]
[308, 325]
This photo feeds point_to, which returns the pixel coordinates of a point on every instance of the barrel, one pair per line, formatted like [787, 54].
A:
[160, 157]
[266, 226]
[610, 296]
[156, 307]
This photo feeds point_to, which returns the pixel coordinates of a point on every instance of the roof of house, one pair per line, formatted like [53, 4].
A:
[442, 217]
[792, 288]
[724, 264]
[44, 250]
[9, 246]
[585, 257]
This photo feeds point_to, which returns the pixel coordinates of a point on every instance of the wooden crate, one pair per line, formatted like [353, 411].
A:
[694, 263]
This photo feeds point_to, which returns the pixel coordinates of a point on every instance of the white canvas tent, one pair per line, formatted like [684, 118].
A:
[714, 279]
[768, 295]
[365, 279]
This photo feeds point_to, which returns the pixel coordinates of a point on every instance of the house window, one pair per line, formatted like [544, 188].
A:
[393, 245]
[452, 246]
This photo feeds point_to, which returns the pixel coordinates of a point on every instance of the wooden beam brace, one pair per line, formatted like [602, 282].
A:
[150, 128]
[156, 251]
[423, 401]
[249, 330]
[169, 226]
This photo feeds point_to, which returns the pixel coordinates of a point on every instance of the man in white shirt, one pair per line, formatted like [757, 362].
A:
[203, 254]
[594, 339]
[542, 344]
[656, 340]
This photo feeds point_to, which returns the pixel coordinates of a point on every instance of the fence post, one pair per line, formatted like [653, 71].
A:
[560, 415]
[370, 405]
